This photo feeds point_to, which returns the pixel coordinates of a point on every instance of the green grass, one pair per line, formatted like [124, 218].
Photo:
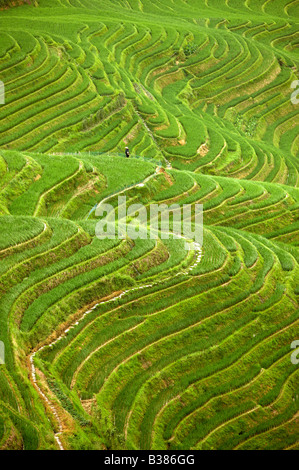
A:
[141, 344]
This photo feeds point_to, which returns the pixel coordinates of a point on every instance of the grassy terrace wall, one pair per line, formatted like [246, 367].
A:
[122, 344]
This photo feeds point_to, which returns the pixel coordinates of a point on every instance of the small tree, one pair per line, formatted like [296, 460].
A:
[190, 48]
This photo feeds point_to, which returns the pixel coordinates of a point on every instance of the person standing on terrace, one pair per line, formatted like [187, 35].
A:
[127, 152]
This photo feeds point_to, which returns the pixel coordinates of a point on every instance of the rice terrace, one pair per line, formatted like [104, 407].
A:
[149, 343]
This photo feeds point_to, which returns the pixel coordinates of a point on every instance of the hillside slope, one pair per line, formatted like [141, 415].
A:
[142, 344]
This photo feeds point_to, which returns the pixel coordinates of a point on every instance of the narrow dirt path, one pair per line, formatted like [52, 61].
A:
[52, 407]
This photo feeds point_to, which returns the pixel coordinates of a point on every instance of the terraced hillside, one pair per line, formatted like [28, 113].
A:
[142, 344]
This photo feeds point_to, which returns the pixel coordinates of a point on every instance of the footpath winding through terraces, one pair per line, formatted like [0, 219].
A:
[54, 407]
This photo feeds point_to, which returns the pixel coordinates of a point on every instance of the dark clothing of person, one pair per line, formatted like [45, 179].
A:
[127, 153]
